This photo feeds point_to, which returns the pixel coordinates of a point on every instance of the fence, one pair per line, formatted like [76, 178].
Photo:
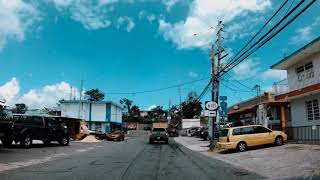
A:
[304, 134]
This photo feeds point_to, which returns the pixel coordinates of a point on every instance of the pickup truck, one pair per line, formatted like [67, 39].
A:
[25, 128]
[159, 134]
[5, 132]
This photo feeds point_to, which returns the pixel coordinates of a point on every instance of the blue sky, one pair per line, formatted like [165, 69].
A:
[135, 45]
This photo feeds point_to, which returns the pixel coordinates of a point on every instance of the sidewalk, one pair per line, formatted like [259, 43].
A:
[287, 161]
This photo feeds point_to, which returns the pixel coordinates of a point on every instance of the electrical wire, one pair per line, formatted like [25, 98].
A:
[159, 89]
[235, 62]
[270, 37]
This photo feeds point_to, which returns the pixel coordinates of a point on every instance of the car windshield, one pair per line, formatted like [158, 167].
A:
[159, 130]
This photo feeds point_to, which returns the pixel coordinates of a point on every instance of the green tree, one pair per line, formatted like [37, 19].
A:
[20, 108]
[135, 113]
[126, 103]
[94, 95]
[157, 112]
[191, 107]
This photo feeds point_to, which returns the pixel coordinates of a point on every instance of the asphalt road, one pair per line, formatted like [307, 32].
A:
[131, 159]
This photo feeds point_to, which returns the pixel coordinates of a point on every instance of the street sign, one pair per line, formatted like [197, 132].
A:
[223, 98]
[210, 113]
[211, 105]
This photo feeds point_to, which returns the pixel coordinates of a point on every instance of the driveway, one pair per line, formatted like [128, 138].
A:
[287, 161]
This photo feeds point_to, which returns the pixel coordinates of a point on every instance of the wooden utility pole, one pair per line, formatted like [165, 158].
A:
[181, 112]
[80, 103]
[213, 97]
[216, 81]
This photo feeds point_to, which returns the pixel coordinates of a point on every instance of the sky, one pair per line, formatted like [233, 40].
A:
[128, 46]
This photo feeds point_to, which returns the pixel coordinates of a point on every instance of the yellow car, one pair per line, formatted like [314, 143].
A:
[242, 137]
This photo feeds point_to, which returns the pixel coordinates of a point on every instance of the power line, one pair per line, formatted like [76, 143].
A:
[260, 30]
[159, 89]
[268, 38]
[239, 82]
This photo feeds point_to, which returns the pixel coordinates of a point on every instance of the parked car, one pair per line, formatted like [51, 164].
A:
[204, 134]
[116, 136]
[159, 135]
[173, 132]
[25, 129]
[242, 137]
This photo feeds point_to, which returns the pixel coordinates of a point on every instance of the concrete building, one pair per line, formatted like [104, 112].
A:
[261, 110]
[302, 90]
[104, 116]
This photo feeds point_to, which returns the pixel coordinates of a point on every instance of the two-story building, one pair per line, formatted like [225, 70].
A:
[302, 90]
[102, 116]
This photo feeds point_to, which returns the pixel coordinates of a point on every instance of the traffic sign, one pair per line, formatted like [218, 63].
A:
[211, 105]
[210, 113]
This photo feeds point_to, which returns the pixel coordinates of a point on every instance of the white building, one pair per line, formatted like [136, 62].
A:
[102, 115]
[302, 89]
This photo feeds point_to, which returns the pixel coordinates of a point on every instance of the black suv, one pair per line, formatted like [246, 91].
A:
[27, 128]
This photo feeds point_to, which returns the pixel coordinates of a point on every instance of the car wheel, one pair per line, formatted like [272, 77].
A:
[279, 141]
[64, 141]
[242, 146]
[26, 141]
[167, 141]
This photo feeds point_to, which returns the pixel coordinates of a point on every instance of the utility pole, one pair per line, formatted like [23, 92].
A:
[216, 81]
[181, 112]
[71, 93]
[213, 97]
[80, 103]
[220, 49]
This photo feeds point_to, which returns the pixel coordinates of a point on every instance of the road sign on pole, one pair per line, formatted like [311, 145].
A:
[211, 105]
[209, 113]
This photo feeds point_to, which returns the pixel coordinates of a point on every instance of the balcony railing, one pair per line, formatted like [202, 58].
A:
[297, 81]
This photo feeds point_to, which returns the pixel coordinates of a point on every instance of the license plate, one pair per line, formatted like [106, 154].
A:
[158, 137]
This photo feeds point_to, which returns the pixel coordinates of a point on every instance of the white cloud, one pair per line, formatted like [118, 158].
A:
[151, 18]
[246, 69]
[151, 107]
[47, 96]
[268, 89]
[169, 3]
[91, 14]
[16, 17]
[192, 74]
[274, 74]
[127, 22]
[203, 11]
[303, 35]
[307, 33]
[9, 91]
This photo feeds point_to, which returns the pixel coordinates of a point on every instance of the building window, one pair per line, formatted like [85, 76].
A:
[316, 109]
[300, 69]
[308, 66]
[305, 72]
[312, 110]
